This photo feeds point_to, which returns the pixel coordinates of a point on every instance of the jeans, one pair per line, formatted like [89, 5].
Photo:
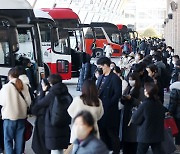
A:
[14, 132]
[1, 137]
[57, 151]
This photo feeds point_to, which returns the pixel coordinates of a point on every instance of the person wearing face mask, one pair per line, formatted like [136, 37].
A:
[130, 100]
[149, 117]
[86, 142]
[138, 57]
[175, 72]
[109, 91]
[153, 74]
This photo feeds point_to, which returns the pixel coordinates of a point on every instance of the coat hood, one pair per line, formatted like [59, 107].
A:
[59, 89]
[160, 64]
[175, 85]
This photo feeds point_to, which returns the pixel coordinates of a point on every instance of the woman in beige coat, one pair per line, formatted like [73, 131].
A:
[88, 101]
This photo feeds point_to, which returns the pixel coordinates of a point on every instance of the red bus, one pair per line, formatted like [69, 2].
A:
[71, 38]
[100, 33]
[126, 34]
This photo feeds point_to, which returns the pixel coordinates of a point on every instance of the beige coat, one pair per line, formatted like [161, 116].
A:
[77, 105]
[13, 105]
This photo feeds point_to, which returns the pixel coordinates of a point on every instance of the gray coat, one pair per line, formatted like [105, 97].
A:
[91, 145]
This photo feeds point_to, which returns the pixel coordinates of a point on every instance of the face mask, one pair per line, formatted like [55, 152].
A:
[136, 58]
[100, 70]
[132, 83]
[81, 132]
[151, 52]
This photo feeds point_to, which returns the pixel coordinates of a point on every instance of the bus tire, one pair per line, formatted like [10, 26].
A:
[98, 52]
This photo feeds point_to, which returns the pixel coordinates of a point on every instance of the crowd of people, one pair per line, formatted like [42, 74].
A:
[121, 106]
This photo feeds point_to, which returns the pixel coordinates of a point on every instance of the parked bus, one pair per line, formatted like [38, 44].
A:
[100, 33]
[52, 58]
[27, 38]
[126, 34]
[71, 38]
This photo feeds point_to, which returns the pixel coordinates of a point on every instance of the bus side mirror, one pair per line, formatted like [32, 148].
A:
[14, 39]
[55, 38]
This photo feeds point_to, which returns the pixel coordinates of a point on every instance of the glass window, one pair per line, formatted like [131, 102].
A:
[25, 44]
[76, 41]
[4, 53]
[115, 38]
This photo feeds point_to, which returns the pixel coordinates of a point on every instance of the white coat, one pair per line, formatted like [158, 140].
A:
[77, 105]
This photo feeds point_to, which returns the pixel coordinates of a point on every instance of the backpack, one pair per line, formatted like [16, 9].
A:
[58, 110]
[93, 68]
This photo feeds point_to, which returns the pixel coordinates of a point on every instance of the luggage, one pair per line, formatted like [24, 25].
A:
[169, 122]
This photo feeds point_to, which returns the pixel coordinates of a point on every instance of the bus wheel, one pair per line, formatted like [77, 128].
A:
[98, 52]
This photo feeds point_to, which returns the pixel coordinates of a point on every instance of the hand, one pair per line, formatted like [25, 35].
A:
[128, 97]
[167, 113]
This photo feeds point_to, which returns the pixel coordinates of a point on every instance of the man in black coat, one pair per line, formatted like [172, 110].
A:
[109, 87]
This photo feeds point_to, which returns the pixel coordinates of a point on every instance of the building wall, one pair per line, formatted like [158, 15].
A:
[145, 14]
[172, 28]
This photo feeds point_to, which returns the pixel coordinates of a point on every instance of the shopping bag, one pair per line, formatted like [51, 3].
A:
[28, 130]
[167, 145]
[169, 122]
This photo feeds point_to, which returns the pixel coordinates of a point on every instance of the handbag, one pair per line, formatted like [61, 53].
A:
[167, 145]
[28, 130]
[169, 122]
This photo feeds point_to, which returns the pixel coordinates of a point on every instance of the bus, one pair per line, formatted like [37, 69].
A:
[126, 33]
[24, 30]
[51, 64]
[71, 38]
[100, 33]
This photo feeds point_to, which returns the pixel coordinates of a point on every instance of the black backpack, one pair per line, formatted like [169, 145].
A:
[58, 110]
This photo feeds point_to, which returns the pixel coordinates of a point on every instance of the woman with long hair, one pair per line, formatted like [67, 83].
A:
[15, 99]
[130, 100]
[89, 101]
[150, 119]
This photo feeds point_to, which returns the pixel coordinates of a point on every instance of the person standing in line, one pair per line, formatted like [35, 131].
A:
[174, 107]
[87, 101]
[110, 90]
[130, 100]
[86, 141]
[56, 136]
[149, 117]
[15, 99]
[85, 71]
[153, 73]
[175, 72]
